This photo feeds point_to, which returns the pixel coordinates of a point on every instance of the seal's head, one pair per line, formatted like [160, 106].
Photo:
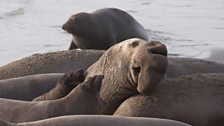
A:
[73, 78]
[78, 24]
[147, 63]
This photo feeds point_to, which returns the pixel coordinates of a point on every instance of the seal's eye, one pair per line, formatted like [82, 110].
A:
[134, 44]
[70, 75]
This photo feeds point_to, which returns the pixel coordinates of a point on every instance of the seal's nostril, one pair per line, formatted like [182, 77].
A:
[161, 50]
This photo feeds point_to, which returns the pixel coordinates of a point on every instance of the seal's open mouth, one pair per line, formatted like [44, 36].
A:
[135, 73]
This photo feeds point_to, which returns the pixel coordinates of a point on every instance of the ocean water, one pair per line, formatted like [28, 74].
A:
[189, 28]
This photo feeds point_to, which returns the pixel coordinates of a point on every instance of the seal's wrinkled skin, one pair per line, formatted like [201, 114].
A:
[130, 67]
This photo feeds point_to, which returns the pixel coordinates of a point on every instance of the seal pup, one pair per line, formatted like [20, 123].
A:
[64, 86]
[84, 99]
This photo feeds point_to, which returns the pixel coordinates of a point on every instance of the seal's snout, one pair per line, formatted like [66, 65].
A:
[63, 27]
[156, 47]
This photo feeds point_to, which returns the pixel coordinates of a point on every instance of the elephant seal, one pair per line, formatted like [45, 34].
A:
[64, 86]
[194, 99]
[130, 67]
[28, 87]
[102, 28]
[84, 99]
[52, 62]
[98, 120]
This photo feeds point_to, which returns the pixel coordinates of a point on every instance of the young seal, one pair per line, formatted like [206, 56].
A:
[28, 87]
[194, 99]
[102, 28]
[64, 86]
[84, 99]
[98, 120]
[130, 67]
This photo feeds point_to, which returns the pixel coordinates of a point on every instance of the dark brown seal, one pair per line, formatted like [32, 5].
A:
[64, 86]
[194, 99]
[98, 120]
[102, 28]
[130, 67]
[84, 99]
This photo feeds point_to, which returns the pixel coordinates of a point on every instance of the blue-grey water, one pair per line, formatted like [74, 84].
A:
[189, 28]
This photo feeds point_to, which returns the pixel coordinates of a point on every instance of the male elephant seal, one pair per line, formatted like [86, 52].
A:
[84, 99]
[64, 86]
[102, 28]
[130, 67]
[98, 120]
[194, 99]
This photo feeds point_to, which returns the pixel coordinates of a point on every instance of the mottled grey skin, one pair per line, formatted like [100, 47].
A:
[64, 86]
[102, 29]
[53, 62]
[194, 99]
[84, 99]
[98, 120]
[130, 67]
[28, 87]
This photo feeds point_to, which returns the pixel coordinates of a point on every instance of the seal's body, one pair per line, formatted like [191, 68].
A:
[102, 28]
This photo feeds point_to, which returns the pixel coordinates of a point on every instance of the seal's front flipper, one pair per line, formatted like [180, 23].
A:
[72, 46]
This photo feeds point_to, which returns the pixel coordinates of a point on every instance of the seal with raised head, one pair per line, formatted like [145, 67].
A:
[102, 28]
[83, 99]
[64, 86]
[130, 67]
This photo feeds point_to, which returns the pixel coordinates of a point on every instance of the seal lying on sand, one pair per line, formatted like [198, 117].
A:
[98, 120]
[52, 62]
[102, 28]
[84, 99]
[29, 87]
[130, 67]
[64, 86]
[194, 99]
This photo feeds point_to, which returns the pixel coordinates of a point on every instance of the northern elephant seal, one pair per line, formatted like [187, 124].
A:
[98, 120]
[102, 28]
[84, 99]
[130, 67]
[28, 87]
[66, 84]
[194, 99]
[52, 62]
